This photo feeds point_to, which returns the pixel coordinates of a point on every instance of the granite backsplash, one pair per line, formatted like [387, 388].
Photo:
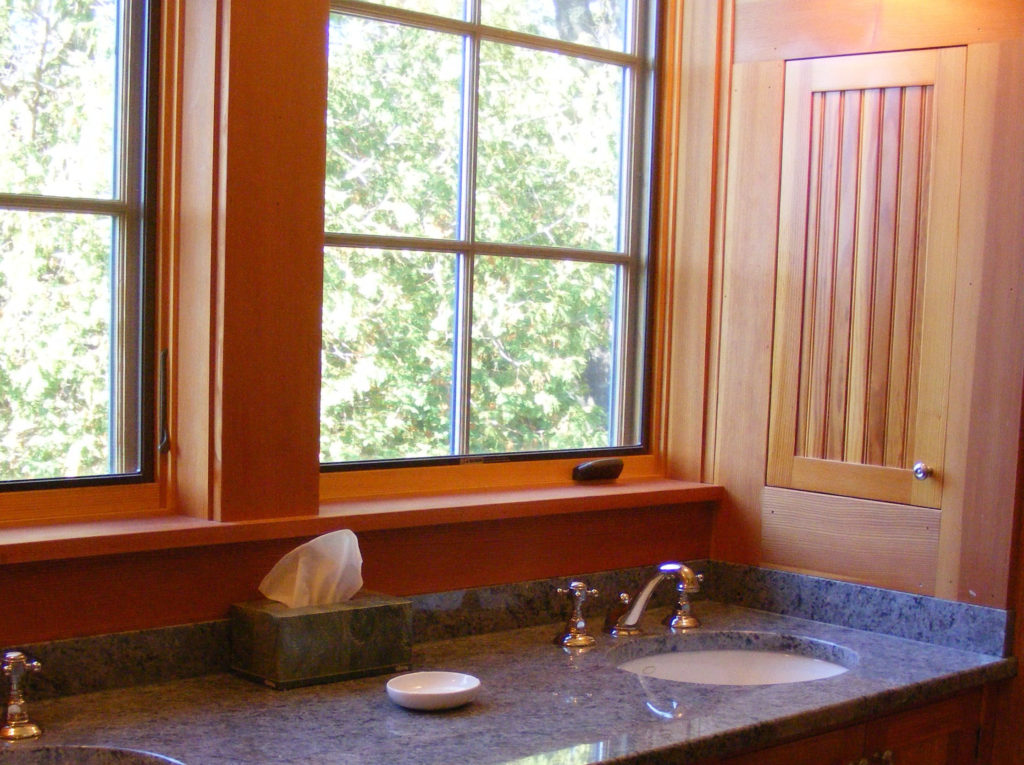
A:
[80, 665]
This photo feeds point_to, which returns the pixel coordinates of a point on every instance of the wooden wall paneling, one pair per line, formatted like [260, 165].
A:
[742, 366]
[1001, 740]
[690, 233]
[982, 441]
[106, 594]
[876, 543]
[114, 593]
[791, 300]
[714, 306]
[409, 561]
[768, 30]
[866, 272]
[192, 307]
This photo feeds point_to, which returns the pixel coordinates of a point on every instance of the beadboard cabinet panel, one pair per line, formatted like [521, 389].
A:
[866, 268]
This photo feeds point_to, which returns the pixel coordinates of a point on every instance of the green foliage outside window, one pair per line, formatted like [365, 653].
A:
[550, 148]
[57, 83]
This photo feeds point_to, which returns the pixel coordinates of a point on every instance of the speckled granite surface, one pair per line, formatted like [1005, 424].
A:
[916, 617]
[83, 665]
[538, 705]
[458, 613]
[122, 659]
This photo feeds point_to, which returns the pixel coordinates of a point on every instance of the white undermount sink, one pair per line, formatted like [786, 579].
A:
[736, 658]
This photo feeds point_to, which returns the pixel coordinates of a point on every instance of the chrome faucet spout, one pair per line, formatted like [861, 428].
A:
[686, 582]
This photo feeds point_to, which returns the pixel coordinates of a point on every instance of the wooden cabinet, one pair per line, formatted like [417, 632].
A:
[944, 733]
[889, 315]
[866, 273]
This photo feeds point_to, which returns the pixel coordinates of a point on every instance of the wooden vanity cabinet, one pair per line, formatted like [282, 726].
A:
[943, 733]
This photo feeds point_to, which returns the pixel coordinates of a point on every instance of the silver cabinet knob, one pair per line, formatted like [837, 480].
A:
[922, 472]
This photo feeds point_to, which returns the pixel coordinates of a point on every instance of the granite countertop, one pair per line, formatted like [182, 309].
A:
[539, 705]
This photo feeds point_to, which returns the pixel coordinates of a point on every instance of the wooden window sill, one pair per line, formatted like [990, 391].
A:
[26, 544]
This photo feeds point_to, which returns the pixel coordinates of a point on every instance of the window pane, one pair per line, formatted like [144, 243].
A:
[454, 9]
[387, 354]
[55, 307]
[542, 355]
[393, 129]
[58, 98]
[601, 23]
[550, 146]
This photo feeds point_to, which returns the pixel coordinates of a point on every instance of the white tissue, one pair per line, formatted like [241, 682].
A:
[324, 570]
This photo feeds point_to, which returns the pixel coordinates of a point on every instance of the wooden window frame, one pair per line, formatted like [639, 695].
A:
[638, 62]
[244, 441]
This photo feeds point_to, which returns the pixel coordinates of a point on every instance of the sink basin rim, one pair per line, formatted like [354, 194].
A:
[775, 643]
[30, 752]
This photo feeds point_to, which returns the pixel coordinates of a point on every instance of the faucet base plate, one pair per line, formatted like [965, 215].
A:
[20, 731]
[624, 631]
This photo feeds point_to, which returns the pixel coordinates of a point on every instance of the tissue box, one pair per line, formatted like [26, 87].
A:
[284, 647]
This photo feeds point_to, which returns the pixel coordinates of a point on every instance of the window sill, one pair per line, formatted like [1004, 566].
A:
[115, 537]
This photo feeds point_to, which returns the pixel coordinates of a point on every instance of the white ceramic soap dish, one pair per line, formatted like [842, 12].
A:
[433, 690]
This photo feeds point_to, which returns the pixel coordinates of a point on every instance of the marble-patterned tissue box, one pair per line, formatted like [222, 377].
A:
[370, 634]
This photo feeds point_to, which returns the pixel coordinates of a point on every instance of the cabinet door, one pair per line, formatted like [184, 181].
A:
[955, 748]
[839, 747]
[945, 733]
[866, 266]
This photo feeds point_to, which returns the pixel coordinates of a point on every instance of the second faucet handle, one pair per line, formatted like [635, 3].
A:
[17, 726]
[575, 633]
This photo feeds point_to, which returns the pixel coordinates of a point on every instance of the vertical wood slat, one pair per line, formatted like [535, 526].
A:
[902, 362]
[882, 298]
[864, 269]
[842, 303]
[817, 290]
[810, 278]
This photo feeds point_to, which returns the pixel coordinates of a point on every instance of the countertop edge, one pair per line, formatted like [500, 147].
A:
[782, 730]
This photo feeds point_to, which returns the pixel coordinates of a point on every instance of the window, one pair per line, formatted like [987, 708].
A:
[485, 267]
[74, 280]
